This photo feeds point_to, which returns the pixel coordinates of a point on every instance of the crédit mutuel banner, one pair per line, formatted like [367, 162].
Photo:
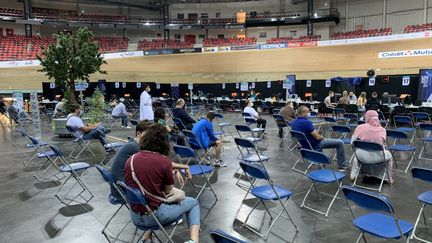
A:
[405, 53]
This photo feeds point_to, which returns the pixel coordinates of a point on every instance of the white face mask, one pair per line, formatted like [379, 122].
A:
[81, 112]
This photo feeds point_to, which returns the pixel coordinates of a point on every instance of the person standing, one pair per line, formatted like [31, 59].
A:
[146, 109]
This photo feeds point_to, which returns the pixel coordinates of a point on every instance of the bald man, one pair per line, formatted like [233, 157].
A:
[317, 141]
[180, 113]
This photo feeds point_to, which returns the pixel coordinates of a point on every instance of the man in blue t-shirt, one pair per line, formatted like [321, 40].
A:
[203, 130]
[317, 141]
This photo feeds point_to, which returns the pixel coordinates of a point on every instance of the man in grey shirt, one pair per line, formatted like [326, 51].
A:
[126, 151]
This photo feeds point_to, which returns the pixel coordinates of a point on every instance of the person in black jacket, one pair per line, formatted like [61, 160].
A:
[374, 101]
[180, 113]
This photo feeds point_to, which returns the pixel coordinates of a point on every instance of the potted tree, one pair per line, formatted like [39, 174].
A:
[72, 57]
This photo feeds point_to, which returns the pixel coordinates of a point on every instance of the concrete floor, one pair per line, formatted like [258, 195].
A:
[30, 212]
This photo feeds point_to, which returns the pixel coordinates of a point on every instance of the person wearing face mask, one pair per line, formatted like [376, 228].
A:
[327, 100]
[344, 100]
[126, 151]
[146, 109]
[250, 110]
[352, 98]
[95, 131]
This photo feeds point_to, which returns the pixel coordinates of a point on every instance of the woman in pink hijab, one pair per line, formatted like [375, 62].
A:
[372, 131]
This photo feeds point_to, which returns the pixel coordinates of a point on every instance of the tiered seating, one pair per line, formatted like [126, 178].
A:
[361, 33]
[418, 28]
[98, 18]
[160, 44]
[290, 39]
[45, 13]
[112, 44]
[18, 47]
[11, 12]
[209, 42]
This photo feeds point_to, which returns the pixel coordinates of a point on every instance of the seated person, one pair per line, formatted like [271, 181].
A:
[13, 111]
[372, 131]
[250, 110]
[317, 141]
[95, 131]
[374, 100]
[180, 113]
[344, 100]
[59, 108]
[154, 171]
[352, 98]
[120, 111]
[173, 134]
[327, 100]
[288, 114]
[361, 101]
[203, 130]
[2, 105]
[126, 151]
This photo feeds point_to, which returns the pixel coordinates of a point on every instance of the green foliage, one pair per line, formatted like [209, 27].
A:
[73, 57]
[96, 107]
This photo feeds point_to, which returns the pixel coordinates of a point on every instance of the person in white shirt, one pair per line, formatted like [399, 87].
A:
[95, 131]
[327, 100]
[352, 98]
[58, 109]
[146, 109]
[251, 111]
[119, 111]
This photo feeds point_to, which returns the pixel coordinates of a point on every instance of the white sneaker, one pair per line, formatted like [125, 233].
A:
[128, 127]
[180, 221]
[220, 163]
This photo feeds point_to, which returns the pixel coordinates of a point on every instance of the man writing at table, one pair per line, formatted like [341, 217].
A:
[327, 100]
[317, 141]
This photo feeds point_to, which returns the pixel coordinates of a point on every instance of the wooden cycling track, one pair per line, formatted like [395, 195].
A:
[261, 65]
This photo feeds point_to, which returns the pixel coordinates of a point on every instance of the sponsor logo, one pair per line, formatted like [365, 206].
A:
[302, 44]
[273, 46]
[405, 53]
[245, 47]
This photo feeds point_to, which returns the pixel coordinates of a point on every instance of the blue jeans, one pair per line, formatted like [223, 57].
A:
[167, 213]
[97, 133]
[338, 145]
[124, 118]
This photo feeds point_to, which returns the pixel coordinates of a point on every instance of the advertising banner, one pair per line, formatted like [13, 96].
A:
[245, 47]
[272, 46]
[302, 44]
[187, 50]
[405, 53]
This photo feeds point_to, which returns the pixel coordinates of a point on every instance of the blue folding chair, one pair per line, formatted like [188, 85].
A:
[249, 154]
[425, 198]
[134, 122]
[264, 193]
[75, 171]
[220, 236]
[41, 153]
[343, 133]
[363, 151]
[109, 178]
[283, 124]
[135, 197]
[351, 120]
[179, 124]
[383, 222]
[426, 140]
[29, 145]
[420, 117]
[243, 129]
[245, 114]
[223, 124]
[81, 144]
[404, 124]
[206, 171]
[302, 142]
[257, 131]
[196, 145]
[398, 146]
[325, 176]
[339, 112]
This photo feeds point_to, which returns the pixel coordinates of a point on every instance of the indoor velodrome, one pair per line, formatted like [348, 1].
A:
[225, 121]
